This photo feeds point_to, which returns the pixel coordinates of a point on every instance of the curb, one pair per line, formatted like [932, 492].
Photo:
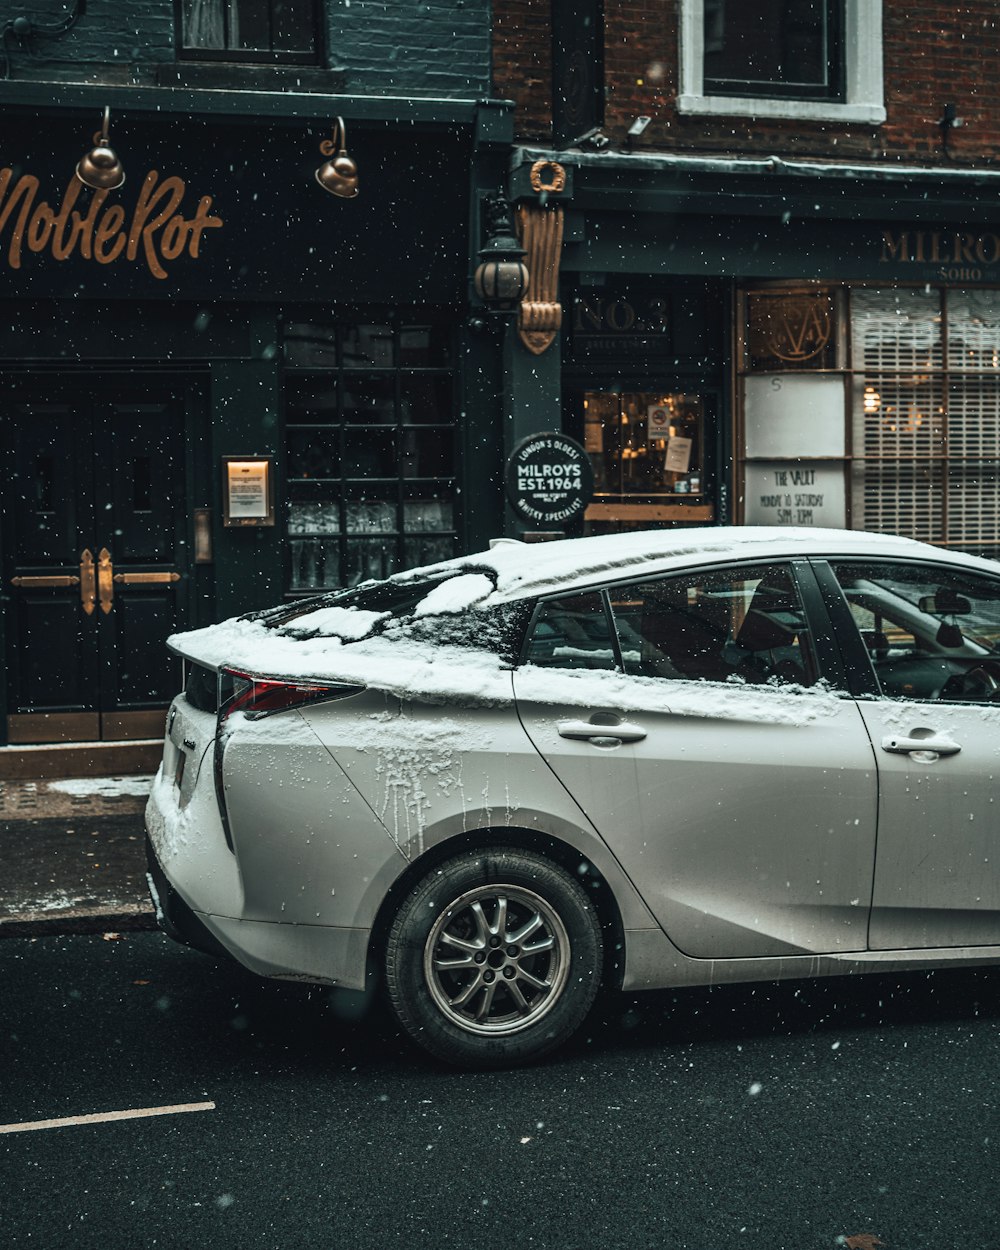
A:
[136, 917]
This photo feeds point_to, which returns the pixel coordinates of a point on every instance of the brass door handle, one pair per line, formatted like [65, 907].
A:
[105, 580]
[145, 579]
[45, 579]
[88, 587]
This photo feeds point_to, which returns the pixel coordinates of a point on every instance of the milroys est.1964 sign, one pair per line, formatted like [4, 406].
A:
[549, 479]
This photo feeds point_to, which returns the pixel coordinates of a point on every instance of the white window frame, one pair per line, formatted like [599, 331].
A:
[865, 101]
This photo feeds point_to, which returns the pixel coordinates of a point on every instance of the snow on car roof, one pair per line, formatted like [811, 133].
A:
[340, 642]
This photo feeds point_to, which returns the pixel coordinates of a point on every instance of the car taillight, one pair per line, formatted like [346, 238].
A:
[257, 697]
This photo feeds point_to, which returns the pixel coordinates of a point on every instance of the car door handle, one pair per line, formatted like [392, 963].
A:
[587, 730]
[936, 744]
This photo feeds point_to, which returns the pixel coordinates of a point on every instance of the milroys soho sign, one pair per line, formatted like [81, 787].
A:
[156, 230]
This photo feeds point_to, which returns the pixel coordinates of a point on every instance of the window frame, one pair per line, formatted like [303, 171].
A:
[814, 597]
[316, 55]
[864, 97]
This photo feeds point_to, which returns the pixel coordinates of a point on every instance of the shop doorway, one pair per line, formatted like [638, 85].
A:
[95, 554]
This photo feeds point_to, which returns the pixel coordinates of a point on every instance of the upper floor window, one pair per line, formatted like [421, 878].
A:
[774, 48]
[249, 30]
[809, 59]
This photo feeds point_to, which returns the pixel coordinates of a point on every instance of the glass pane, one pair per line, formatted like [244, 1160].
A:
[313, 453]
[312, 400]
[424, 346]
[314, 517]
[931, 632]
[368, 345]
[644, 443]
[899, 415]
[367, 516]
[898, 330]
[315, 563]
[788, 46]
[720, 626]
[426, 400]
[790, 330]
[436, 515]
[974, 330]
[427, 453]
[427, 550]
[899, 497]
[370, 401]
[368, 559]
[572, 633]
[310, 343]
[369, 453]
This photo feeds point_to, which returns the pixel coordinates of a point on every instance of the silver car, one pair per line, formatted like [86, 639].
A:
[493, 785]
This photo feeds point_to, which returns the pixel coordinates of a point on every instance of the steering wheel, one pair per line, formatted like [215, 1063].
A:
[976, 684]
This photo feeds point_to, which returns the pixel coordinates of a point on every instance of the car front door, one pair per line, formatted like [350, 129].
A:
[686, 716]
[926, 652]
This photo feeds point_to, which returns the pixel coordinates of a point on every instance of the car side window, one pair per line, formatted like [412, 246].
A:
[931, 631]
[731, 625]
[572, 632]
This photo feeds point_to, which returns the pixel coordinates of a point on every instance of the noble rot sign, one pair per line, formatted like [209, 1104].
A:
[96, 226]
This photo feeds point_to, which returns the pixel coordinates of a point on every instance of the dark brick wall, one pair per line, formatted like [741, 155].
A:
[384, 47]
[934, 53]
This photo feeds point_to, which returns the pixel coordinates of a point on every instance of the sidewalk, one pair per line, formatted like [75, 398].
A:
[72, 857]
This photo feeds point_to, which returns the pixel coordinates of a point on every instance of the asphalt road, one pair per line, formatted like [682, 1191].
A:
[754, 1117]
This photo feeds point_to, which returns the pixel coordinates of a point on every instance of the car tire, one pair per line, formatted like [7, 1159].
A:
[494, 958]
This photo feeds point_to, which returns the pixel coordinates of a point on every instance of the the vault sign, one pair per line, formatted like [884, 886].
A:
[159, 228]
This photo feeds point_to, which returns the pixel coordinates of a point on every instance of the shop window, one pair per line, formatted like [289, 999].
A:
[886, 418]
[819, 59]
[369, 450]
[240, 30]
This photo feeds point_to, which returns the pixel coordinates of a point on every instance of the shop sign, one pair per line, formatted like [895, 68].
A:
[155, 229]
[614, 323]
[549, 479]
[944, 255]
[795, 494]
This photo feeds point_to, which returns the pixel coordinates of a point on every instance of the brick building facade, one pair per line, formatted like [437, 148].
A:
[795, 272]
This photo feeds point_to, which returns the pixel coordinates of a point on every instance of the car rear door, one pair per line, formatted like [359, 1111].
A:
[688, 718]
[930, 681]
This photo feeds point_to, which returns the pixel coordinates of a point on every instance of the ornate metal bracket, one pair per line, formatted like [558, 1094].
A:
[540, 229]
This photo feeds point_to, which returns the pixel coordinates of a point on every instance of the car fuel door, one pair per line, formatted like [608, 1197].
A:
[685, 716]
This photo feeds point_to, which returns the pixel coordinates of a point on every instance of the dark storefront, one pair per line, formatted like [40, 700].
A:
[779, 342]
[221, 314]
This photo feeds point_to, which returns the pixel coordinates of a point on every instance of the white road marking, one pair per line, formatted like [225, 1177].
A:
[139, 1113]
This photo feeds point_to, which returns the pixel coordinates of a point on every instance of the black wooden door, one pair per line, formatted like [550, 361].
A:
[96, 555]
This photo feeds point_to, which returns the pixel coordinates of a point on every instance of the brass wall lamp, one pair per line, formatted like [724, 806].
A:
[100, 169]
[338, 175]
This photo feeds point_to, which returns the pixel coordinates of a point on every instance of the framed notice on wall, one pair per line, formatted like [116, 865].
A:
[248, 490]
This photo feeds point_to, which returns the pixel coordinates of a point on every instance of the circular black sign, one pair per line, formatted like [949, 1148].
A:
[549, 479]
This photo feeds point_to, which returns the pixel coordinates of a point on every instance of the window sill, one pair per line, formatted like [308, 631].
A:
[796, 110]
[250, 76]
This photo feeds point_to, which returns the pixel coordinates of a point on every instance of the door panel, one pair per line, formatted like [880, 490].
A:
[929, 637]
[737, 794]
[96, 554]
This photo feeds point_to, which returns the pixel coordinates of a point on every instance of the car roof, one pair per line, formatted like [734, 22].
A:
[524, 570]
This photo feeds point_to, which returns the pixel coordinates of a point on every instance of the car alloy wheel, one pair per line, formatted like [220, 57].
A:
[497, 959]
[494, 958]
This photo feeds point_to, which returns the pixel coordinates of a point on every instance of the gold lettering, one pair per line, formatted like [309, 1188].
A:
[202, 221]
[589, 309]
[26, 187]
[110, 227]
[104, 232]
[919, 254]
[964, 243]
[988, 249]
[936, 247]
[895, 249]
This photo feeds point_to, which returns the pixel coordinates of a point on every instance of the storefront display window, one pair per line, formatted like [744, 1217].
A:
[369, 450]
[886, 418]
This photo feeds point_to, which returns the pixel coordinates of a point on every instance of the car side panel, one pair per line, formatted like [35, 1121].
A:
[435, 773]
